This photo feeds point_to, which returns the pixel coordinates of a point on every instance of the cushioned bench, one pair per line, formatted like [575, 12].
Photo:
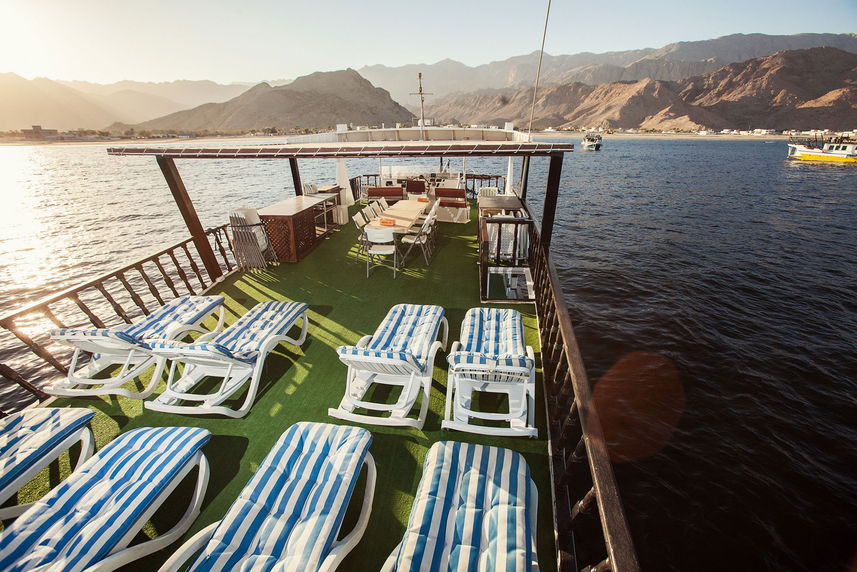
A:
[475, 509]
[392, 194]
[452, 205]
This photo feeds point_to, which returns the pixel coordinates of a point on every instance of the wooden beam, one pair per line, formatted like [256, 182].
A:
[296, 176]
[525, 177]
[174, 181]
[551, 194]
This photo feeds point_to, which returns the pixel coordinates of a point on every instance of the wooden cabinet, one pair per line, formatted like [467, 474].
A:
[295, 224]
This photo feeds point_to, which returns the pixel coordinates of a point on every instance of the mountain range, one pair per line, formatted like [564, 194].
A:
[68, 105]
[317, 101]
[670, 63]
[796, 89]
[721, 82]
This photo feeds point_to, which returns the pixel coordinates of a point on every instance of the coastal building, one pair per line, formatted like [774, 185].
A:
[38, 133]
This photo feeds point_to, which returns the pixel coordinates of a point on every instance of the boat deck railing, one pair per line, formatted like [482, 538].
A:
[133, 290]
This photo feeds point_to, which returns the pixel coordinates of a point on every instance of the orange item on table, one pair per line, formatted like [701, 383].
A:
[387, 222]
[422, 199]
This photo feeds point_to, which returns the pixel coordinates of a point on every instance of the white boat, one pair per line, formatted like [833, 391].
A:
[591, 142]
[832, 150]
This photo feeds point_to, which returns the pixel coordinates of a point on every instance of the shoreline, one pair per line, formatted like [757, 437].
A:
[260, 138]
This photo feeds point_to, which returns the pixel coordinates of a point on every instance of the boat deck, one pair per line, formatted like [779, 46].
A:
[301, 384]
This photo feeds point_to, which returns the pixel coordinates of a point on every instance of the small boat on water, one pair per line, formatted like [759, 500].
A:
[591, 142]
[831, 150]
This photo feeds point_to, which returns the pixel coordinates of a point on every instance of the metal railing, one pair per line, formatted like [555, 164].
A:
[129, 292]
[591, 527]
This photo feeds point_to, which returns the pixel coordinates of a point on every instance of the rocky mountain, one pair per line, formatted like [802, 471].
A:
[67, 105]
[670, 63]
[319, 100]
[797, 89]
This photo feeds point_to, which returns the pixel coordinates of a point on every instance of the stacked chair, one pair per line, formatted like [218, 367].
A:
[250, 243]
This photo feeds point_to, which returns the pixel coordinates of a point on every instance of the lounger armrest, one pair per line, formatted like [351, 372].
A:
[363, 341]
[341, 548]
[193, 545]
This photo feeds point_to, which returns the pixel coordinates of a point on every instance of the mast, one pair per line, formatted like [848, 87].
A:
[422, 108]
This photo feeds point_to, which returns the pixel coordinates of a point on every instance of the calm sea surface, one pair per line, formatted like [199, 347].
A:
[723, 278]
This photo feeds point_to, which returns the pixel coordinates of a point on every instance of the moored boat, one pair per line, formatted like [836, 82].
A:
[591, 142]
[829, 150]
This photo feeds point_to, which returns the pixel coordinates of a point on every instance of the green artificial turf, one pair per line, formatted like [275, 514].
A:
[302, 383]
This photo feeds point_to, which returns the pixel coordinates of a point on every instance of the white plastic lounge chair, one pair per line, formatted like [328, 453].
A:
[289, 515]
[126, 345]
[491, 357]
[400, 353]
[236, 354]
[32, 439]
[91, 517]
[475, 509]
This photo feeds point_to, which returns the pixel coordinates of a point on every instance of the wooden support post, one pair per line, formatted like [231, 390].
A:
[174, 181]
[13, 375]
[551, 194]
[296, 176]
[525, 176]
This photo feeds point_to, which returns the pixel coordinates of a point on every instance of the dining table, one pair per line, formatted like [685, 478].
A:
[400, 216]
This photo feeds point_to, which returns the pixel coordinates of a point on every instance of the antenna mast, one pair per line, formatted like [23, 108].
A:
[422, 109]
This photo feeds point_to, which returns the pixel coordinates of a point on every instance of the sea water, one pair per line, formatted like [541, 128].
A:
[711, 285]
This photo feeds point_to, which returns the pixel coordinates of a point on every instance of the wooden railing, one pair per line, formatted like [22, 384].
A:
[133, 290]
[590, 523]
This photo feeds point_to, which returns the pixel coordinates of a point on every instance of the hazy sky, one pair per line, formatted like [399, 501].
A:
[253, 40]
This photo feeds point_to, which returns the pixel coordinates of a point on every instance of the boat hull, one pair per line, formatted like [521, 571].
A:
[801, 153]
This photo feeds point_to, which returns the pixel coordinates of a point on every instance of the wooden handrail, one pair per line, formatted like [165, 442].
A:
[572, 414]
[114, 300]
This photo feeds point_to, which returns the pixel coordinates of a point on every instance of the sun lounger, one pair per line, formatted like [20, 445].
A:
[491, 357]
[127, 346]
[236, 354]
[400, 353]
[289, 515]
[32, 439]
[475, 509]
[92, 516]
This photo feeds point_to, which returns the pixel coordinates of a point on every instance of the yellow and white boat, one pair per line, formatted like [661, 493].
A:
[835, 150]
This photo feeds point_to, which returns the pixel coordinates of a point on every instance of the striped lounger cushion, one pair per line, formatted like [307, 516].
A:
[472, 511]
[242, 340]
[157, 325]
[80, 521]
[27, 436]
[289, 514]
[405, 334]
[492, 337]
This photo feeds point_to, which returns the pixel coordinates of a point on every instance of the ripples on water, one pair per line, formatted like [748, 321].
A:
[719, 255]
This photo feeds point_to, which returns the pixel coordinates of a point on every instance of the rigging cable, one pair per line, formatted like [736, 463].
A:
[538, 72]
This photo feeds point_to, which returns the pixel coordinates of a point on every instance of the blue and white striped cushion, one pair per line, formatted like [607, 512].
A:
[80, 521]
[406, 333]
[243, 339]
[471, 511]
[186, 310]
[492, 337]
[288, 515]
[27, 436]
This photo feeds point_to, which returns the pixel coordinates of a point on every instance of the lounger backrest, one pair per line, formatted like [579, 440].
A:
[492, 336]
[28, 435]
[400, 343]
[80, 521]
[474, 510]
[408, 327]
[159, 325]
[290, 512]
[243, 339]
